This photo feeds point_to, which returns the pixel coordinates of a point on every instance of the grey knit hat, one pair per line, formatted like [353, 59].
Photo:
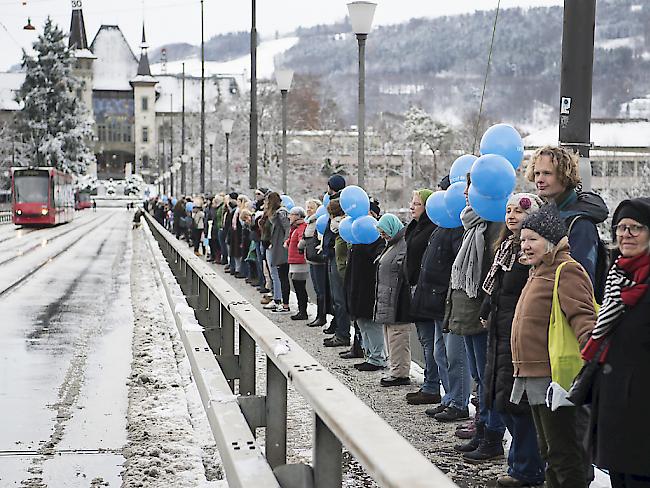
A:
[547, 223]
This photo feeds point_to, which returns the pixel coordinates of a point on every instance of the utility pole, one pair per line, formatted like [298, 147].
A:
[202, 188]
[576, 81]
[252, 162]
[171, 140]
[183, 186]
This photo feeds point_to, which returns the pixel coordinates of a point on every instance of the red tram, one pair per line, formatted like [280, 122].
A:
[82, 199]
[41, 196]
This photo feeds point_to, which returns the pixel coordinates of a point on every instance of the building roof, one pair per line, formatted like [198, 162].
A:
[116, 64]
[77, 39]
[215, 87]
[605, 133]
[10, 83]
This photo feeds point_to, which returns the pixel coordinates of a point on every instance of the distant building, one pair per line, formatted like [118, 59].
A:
[131, 109]
[620, 155]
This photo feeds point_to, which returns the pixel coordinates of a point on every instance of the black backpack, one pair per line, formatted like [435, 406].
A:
[603, 260]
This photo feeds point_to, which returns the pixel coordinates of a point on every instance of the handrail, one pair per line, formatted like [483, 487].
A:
[340, 416]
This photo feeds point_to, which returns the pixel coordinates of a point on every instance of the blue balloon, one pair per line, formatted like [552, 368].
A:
[287, 201]
[493, 176]
[354, 201]
[461, 167]
[189, 206]
[326, 200]
[320, 211]
[504, 140]
[174, 201]
[437, 211]
[345, 230]
[490, 209]
[364, 230]
[321, 224]
[165, 198]
[455, 199]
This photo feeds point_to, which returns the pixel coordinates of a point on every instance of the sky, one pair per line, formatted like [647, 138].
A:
[170, 21]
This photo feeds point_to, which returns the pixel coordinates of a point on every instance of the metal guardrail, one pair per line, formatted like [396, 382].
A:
[5, 217]
[341, 418]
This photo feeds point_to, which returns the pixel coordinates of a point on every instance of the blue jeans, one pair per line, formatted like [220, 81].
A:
[318, 273]
[476, 346]
[259, 262]
[372, 341]
[524, 460]
[275, 278]
[338, 300]
[435, 356]
[459, 378]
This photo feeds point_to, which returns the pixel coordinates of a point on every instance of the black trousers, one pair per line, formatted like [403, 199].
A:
[300, 287]
[196, 238]
[283, 271]
[560, 445]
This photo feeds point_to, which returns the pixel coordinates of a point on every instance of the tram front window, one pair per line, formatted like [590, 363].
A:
[32, 188]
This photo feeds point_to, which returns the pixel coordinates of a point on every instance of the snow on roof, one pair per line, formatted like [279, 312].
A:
[636, 108]
[604, 133]
[10, 83]
[115, 65]
[266, 54]
[173, 84]
[83, 54]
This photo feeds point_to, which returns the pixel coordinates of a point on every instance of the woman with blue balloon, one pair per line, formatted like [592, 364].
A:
[392, 292]
[468, 273]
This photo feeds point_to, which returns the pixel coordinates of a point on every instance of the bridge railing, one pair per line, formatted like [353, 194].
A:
[340, 417]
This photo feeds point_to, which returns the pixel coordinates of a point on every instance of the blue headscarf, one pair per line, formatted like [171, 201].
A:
[390, 224]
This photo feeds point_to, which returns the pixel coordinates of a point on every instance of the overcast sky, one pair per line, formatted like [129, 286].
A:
[179, 20]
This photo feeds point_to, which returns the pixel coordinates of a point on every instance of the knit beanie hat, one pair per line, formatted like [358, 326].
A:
[547, 223]
[444, 183]
[528, 202]
[336, 182]
[424, 194]
[374, 206]
[637, 209]
[233, 195]
[390, 224]
[299, 211]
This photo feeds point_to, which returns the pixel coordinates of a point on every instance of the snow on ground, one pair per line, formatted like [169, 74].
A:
[169, 441]
[266, 55]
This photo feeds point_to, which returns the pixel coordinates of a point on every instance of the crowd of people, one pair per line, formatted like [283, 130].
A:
[484, 298]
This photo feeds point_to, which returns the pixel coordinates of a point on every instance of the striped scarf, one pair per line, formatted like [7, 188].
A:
[624, 287]
[504, 259]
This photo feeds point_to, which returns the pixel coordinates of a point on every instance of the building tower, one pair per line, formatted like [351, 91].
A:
[83, 66]
[144, 101]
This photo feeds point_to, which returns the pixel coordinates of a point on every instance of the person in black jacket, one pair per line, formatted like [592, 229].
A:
[621, 434]
[503, 285]
[359, 285]
[417, 237]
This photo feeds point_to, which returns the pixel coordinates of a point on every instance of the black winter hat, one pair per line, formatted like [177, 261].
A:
[336, 182]
[444, 183]
[234, 195]
[547, 223]
[374, 206]
[637, 209]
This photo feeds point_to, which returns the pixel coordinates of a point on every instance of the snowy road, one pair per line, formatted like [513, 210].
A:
[65, 351]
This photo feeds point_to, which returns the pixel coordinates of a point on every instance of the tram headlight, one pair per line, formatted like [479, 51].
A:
[19, 212]
[44, 211]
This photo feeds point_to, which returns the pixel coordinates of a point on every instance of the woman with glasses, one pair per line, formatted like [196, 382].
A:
[621, 343]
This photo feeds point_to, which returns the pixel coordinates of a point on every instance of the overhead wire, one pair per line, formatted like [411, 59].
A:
[487, 72]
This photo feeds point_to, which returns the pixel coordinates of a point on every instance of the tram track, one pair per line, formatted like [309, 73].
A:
[41, 232]
[47, 240]
[25, 276]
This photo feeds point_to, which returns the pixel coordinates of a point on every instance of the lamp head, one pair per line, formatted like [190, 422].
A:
[226, 125]
[361, 15]
[283, 78]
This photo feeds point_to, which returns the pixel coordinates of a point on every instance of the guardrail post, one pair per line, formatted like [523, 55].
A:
[246, 363]
[228, 337]
[276, 415]
[327, 458]
[212, 330]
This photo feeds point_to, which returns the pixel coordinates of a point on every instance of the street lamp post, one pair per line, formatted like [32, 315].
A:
[226, 126]
[361, 14]
[211, 173]
[284, 77]
[184, 160]
[183, 180]
[252, 163]
[202, 106]
[192, 175]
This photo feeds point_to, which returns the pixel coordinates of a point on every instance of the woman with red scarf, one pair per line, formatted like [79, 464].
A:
[622, 338]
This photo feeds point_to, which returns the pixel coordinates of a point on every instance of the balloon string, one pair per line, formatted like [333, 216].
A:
[487, 71]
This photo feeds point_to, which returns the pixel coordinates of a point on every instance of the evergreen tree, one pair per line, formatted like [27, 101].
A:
[53, 122]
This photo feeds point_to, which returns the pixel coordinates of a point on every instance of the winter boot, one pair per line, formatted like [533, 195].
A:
[490, 447]
[474, 442]
[320, 319]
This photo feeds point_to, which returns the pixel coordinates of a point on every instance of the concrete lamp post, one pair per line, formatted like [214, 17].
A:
[226, 126]
[361, 15]
[283, 78]
[184, 160]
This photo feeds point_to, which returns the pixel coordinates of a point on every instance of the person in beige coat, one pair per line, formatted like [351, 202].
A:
[545, 245]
